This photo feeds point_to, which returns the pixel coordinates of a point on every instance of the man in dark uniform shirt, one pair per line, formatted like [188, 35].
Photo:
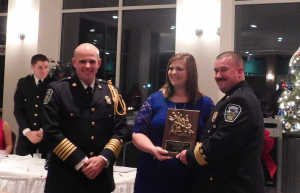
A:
[28, 100]
[227, 159]
[84, 125]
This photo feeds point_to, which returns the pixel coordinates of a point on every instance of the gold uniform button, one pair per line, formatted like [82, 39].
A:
[38, 96]
[35, 115]
[36, 105]
[34, 123]
[93, 123]
[92, 138]
[71, 114]
[93, 109]
[121, 141]
[92, 153]
[210, 179]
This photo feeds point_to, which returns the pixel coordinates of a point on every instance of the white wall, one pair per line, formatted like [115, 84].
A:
[192, 14]
[39, 20]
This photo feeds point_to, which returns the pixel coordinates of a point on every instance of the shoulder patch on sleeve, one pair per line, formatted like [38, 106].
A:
[48, 96]
[232, 111]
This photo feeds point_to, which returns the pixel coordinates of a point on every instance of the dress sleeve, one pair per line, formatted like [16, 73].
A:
[144, 118]
[208, 107]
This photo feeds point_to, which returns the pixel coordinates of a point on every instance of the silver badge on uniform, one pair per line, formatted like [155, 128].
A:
[108, 100]
[48, 96]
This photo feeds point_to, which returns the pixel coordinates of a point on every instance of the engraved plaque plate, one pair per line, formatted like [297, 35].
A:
[180, 130]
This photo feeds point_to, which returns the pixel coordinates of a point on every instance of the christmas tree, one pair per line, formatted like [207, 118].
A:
[289, 102]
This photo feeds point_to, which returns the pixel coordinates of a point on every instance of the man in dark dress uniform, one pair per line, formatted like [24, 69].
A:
[28, 100]
[227, 159]
[84, 125]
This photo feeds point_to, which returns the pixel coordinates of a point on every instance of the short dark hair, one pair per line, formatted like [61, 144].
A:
[38, 57]
[192, 88]
[235, 57]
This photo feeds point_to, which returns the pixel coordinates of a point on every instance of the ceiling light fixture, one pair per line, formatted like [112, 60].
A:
[115, 17]
[92, 30]
[254, 26]
[172, 27]
[247, 52]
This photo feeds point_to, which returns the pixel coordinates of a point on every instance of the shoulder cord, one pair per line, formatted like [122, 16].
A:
[116, 98]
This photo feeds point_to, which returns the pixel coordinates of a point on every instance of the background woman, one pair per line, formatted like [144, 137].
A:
[5, 137]
[157, 172]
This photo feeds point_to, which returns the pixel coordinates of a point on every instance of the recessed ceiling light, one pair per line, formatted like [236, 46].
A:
[92, 30]
[253, 26]
[107, 53]
[172, 27]
[279, 38]
[246, 52]
[95, 40]
[250, 54]
[115, 17]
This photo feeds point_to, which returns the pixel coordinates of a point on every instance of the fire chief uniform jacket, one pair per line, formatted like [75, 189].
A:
[28, 108]
[227, 159]
[76, 128]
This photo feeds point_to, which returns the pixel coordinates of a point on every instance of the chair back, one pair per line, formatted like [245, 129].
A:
[13, 138]
[131, 155]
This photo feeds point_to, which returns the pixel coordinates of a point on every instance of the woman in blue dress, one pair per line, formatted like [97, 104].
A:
[157, 172]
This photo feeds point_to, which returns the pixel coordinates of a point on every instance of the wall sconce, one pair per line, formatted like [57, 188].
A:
[218, 31]
[199, 32]
[21, 36]
[270, 76]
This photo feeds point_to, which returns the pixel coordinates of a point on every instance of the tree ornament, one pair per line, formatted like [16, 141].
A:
[283, 85]
[288, 125]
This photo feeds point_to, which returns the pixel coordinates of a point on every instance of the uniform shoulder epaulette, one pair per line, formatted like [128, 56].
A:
[29, 76]
[103, 81]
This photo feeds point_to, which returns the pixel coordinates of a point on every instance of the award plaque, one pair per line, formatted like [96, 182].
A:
[180, 130]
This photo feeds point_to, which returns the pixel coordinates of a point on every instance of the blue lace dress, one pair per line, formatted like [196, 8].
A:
[168, 176]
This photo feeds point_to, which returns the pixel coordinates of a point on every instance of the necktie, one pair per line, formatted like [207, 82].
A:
[89, 92]
[39, 86]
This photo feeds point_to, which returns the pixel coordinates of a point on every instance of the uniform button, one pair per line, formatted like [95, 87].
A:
[109, 115]
[214, 126]
[121, 141]
[92, 138]
[36, 105]
[34, 123]
[92, 153]
[37, 96]
[24, 99]
[71, 114]
[35, 115]
[93, 123]
[210, 179]
[208, 131]
[93, 109]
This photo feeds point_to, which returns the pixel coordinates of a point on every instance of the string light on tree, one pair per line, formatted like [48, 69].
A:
[289, 112]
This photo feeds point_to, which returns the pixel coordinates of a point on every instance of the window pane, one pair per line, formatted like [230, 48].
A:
[266, 35]
[78, 4]
[98, 28]
[3, 6]
[147, 44]
[3, 21]
[147, 2]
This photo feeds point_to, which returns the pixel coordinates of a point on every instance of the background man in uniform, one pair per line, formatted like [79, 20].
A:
[84, 127]
[227, 159]
[28, 100]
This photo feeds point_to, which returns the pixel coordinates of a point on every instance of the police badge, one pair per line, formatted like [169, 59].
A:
[108, 100]
[232, 111]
